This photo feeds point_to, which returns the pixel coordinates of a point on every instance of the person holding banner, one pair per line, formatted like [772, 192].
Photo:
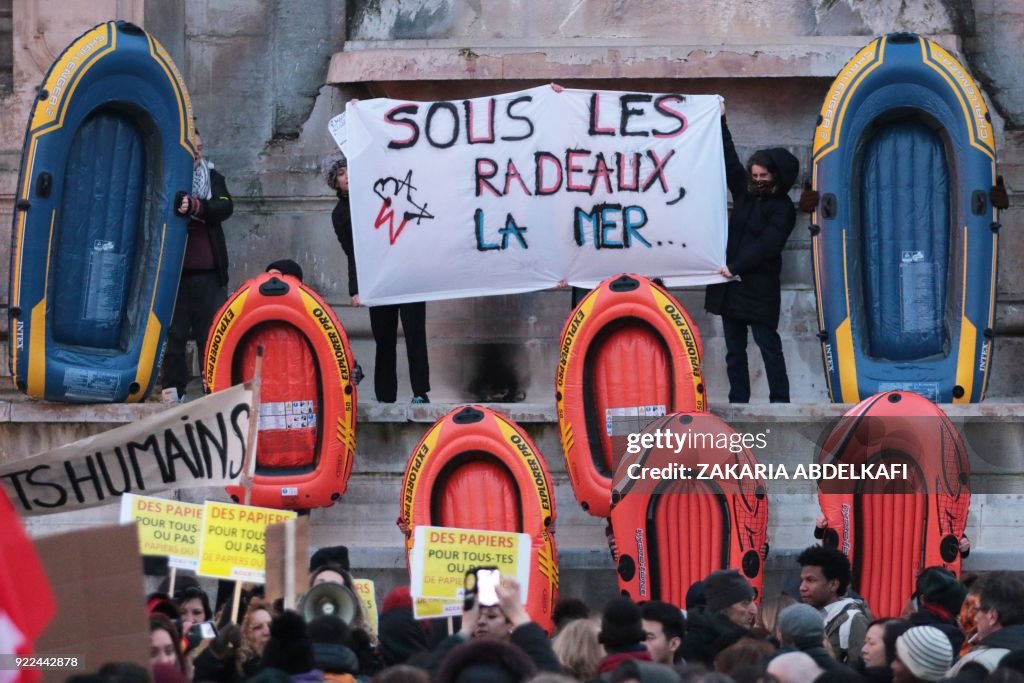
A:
[762, 218]
[383, 319]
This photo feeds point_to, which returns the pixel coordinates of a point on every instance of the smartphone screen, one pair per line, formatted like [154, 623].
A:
[487, 586]
[207, 630]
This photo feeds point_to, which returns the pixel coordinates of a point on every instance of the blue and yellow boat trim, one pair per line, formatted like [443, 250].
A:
[905, 77]
[96, 247]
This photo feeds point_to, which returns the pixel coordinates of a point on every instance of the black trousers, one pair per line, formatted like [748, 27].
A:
[768, 340]
[200, 295]
[384, 323]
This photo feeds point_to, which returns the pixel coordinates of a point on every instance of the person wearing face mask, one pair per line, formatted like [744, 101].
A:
[762, 218]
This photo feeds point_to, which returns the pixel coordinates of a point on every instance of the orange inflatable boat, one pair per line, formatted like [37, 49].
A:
[675, 530]
[476, 469]
[307, 414]
[629, 352]
[914, 514]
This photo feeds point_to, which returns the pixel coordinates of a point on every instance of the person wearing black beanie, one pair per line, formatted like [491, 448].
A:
[939, 597]
[329, 555]
[290, 650]
[728, 614]
[286, 267]
[622, 634]
[731, 595]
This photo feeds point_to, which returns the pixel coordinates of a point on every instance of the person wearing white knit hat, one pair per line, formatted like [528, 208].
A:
[923, 653]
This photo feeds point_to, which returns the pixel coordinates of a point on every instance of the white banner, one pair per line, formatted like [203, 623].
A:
[517, 192]
[200, 443]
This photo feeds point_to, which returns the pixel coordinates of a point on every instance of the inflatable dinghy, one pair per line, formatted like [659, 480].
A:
[905, 237]
[96, 247]
[476, 469]
[307, 415]
[629, 352]
[892, 528]
[670, 533]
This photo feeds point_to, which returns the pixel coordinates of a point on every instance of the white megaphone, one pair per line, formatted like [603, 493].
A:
[330, 599]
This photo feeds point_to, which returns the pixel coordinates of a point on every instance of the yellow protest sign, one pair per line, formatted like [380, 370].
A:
[368, 601]
[424, 608]
[441, 557]
[231, 545]
[166, 527]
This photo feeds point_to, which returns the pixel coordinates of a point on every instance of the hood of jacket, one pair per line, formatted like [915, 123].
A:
[786, 165]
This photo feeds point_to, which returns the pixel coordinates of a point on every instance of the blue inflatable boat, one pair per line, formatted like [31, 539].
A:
[97, 248]
[905, 237]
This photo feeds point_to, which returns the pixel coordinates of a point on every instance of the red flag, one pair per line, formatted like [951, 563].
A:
[26, 602]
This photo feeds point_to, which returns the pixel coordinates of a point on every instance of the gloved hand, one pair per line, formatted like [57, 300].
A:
[187, 205]
[808, 199]
[998, 195]
[227, 642]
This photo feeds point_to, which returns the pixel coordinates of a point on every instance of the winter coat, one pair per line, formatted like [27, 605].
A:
[846, 625]
[400, 636]
[991, 649]
[335, 659]
[758, 229]
[341, 218]
[212, 212]
[611, 661]
[707, 634]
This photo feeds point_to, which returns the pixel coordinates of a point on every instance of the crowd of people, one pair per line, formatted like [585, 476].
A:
[962, 629]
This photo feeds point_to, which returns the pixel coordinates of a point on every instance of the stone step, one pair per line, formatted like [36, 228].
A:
[365, 518]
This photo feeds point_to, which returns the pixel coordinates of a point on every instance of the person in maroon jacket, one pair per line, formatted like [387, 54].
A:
[204, 276]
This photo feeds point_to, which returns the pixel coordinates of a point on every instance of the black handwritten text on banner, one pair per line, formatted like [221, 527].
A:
[201, 443]
[517, 192]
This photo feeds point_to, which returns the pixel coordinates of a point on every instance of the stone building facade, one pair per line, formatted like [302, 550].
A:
[266, 76]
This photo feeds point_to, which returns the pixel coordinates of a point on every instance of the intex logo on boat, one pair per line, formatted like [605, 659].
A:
[981, 365]
[216, 341]
[828, 358]
[337, 348]
[19, 335]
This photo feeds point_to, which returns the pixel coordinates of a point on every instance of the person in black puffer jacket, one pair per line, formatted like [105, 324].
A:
[762, 218]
